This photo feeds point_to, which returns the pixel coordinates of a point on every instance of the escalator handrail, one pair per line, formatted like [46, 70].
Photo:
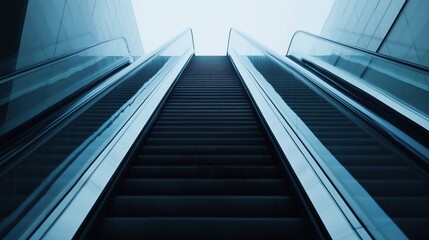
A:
[306, 160]
[401, 137]
[80, 199]
[47, 63]
[404, 102]
[77, 106]
[316, 149]
[91, 95]
[22, 146]
[363, 51]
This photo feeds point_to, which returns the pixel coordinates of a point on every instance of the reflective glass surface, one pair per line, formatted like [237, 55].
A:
[29, 93]
[34, 179]
[402, 87]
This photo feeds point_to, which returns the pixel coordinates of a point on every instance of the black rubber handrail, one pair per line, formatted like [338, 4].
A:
[59, 58]
[361, 50]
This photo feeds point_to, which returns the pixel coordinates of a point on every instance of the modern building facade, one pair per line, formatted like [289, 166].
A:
[40, 30]
[398, 28]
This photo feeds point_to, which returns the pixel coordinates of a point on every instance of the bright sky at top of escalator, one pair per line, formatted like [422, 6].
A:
[271, 22]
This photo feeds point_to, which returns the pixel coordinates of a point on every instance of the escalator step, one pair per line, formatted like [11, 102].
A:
[396, 187]
[222, 128]
[179, 186]
[203, 228]
[414, 227]
[415, 206]
[368, 160]
[207, 135]
[383, 169]
[205, 149]
[386, 172]
[213, 206]
[204, 171]
[207, 123]
[206, 159]
[177, 141]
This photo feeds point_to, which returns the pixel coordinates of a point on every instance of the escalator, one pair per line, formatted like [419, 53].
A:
[26, 178]
[205, 170]
[194, 157]
[394, 89]
[395, 178]
[34, 101]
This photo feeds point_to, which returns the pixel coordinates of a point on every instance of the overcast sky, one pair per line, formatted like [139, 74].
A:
[271, 22]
